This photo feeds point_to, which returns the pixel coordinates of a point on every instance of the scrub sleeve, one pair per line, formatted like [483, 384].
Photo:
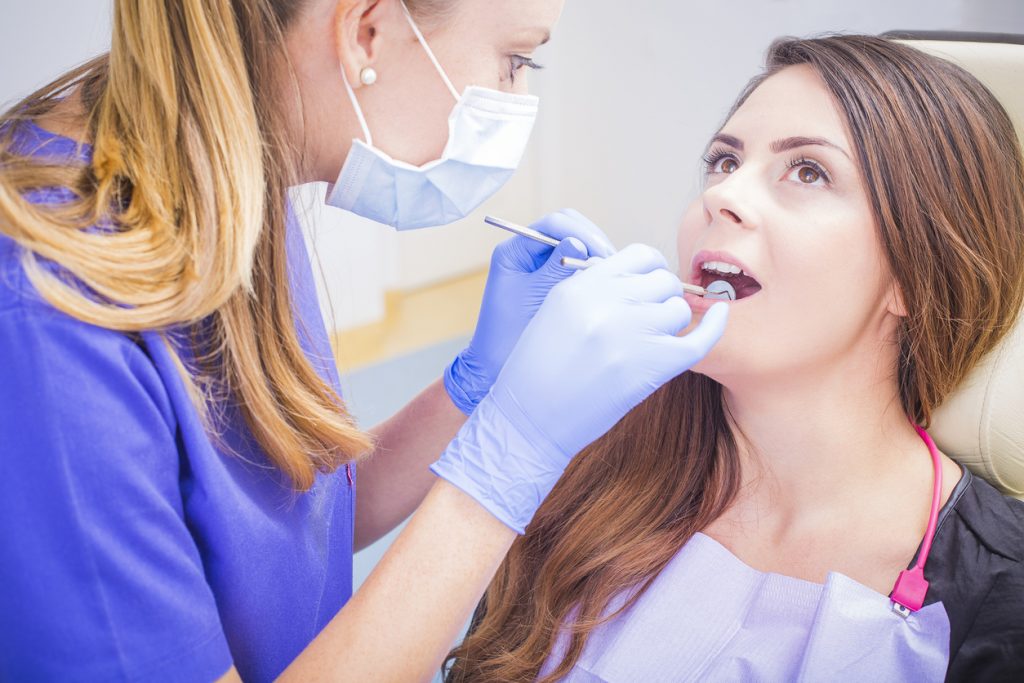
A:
[101, 579]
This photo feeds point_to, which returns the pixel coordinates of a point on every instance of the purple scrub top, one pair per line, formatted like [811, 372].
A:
[133, 548]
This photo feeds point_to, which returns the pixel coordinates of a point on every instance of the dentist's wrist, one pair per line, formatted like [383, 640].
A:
[501, 460]
[466, 382]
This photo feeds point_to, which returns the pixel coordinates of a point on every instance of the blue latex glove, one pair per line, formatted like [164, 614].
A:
[603, 341]
[522, 273]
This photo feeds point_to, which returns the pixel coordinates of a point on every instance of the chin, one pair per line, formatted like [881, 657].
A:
[734, 359]
[713, 366]
[723, 360]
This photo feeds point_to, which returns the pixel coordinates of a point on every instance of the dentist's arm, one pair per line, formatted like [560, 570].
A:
[401, 623]
[393, 481]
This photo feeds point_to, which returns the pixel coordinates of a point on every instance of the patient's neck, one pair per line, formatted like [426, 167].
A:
[821, 438]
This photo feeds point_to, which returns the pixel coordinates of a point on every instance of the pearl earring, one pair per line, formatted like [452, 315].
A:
[368, 75]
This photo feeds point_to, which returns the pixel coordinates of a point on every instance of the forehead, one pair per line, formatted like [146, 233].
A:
[519, 16]
[792, 102]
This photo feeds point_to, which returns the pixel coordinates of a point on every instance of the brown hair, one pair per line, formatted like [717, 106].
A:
[192, 158]
[944, 174]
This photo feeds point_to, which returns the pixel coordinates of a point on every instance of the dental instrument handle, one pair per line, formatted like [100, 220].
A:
[694, 289]
[581, 264]
[522, 230]
[567, 262]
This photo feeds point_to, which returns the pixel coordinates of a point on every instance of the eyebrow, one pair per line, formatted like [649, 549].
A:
[525, 39]
[782, 145]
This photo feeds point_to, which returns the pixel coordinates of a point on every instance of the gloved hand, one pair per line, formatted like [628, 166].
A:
[602, 342]
[522, 273]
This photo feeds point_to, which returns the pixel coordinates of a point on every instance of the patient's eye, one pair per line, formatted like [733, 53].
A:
[727, 165]
[808, 172]
[720, 161]
[808, 175]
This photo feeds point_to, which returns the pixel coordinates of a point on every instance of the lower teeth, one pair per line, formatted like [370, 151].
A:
[720, 289]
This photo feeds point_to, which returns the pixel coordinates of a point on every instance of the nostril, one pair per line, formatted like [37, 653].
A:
[731, 216]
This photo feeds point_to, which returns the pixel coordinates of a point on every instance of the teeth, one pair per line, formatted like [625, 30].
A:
[721, 267]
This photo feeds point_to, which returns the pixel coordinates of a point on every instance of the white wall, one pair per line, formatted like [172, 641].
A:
[631, 92]
[40, 39]
[634, 91]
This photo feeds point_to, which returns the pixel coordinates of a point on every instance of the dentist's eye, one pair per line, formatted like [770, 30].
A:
[808, 172]
[517, 62]
[720, 161]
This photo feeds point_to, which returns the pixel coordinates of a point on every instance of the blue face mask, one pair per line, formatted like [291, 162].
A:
[487, 135]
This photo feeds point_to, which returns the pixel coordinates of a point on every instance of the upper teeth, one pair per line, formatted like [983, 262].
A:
[721, 267]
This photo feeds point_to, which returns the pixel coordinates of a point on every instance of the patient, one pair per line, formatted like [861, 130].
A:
[750, 521]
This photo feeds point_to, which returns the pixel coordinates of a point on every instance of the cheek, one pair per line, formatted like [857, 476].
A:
[475, 61]
[521, 86]
[689, 232]
[842, 272]
[839, 276]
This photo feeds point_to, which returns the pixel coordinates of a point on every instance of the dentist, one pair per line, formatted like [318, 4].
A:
[180, 470]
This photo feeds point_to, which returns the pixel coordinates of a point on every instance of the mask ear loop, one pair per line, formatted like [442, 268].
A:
[433, 60]
[358, 109]
[430, 53]
[911, 587]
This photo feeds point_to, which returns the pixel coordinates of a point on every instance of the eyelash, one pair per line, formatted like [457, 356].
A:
[517, 62]
[811, 163]
[713, 156]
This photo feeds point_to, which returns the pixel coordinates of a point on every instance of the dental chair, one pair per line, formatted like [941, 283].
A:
[982, 423]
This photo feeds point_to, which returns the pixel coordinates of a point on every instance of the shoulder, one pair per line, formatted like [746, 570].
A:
[976, 570]
[15, 289]
[997, 521]
[51, 358]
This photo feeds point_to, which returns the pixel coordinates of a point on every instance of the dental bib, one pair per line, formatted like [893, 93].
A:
[488, 131]
[710, 617]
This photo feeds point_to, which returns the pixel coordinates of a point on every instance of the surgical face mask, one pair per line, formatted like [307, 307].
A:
[487, 135]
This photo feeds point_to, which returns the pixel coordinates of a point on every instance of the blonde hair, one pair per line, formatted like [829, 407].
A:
[191, 163]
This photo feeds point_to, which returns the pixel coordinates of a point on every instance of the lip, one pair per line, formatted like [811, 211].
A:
[700, 304]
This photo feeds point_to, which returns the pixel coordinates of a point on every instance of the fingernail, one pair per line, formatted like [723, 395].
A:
[578, 245]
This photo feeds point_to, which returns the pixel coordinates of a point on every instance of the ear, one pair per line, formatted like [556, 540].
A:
[894, 300]
[357, 34]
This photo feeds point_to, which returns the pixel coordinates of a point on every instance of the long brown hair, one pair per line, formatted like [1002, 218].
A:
[192, 158]
[944, 174]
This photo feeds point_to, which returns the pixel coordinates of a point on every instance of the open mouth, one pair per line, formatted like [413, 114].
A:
[726, 281]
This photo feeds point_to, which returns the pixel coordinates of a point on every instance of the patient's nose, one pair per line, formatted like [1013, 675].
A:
[732, 201]
[730, 215]
[722, 207]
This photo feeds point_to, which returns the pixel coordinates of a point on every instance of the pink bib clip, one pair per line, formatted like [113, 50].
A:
[911, 587]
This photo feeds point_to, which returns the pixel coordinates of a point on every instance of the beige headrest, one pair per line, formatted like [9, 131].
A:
[982, 423]
[999, 66]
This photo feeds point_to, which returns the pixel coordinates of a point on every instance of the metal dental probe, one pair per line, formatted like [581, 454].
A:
[567, 261]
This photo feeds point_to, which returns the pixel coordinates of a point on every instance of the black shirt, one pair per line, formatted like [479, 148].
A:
[976, 569]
